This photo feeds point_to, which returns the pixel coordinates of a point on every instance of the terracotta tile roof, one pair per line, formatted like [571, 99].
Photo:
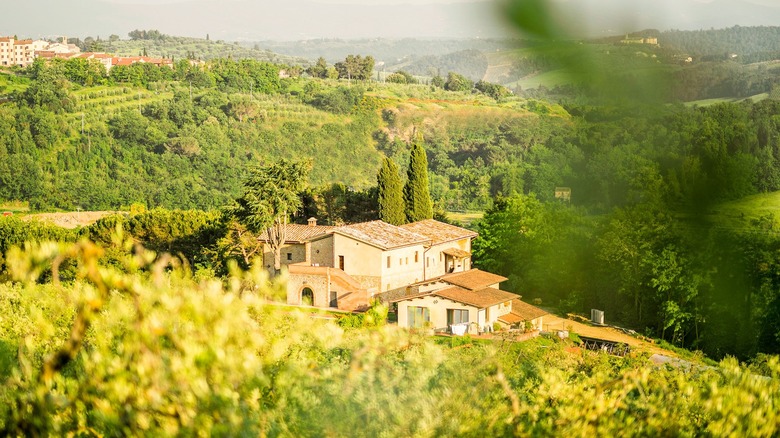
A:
[473, 279]
[439, 232]
[300, 233]
[381, 234]
[129, 60]
[480, 298]
[122, 61]
[457, 252]
[22, 42]
[510, 318]
[526, 311]
[93, 55]
[51, 54]
[410, 296]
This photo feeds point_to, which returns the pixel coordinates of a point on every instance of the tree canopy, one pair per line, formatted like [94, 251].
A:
[390, 193]
[271, 195]
[417, 197]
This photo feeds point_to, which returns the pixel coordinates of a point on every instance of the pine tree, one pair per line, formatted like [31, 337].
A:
[391, 196]
[416, 193]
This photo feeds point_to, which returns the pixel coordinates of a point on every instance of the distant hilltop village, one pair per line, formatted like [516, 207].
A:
[640, 40]
[22, 53]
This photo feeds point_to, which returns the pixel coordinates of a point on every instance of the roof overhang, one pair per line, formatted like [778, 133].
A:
[457, 253]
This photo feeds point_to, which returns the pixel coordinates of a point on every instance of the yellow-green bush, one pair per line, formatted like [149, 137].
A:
[155, 353]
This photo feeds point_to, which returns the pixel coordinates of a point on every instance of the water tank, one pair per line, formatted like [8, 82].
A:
[597, 316]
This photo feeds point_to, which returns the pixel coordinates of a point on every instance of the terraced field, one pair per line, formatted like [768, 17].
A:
[112, 99]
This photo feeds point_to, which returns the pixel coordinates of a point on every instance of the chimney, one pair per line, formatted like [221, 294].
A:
[312, 221]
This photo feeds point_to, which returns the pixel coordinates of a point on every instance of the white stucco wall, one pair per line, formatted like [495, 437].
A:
[359, 258]
[369, 263]
[438, 311]
[435, 258]
[403, 269]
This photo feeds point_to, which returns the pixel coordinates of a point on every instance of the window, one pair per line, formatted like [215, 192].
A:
[388, 261]
[416, 256]
[427, 262]
[289, 256]
[407, 260]
[457, 316]
[418, 316]
[341, 262]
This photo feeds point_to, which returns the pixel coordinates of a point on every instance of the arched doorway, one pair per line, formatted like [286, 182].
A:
[307, 297]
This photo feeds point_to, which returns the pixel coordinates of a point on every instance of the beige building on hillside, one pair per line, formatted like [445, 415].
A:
[370, 259]
[524, 316]
[450, 248]
[462, 302]
[20, 53]
[424, 268]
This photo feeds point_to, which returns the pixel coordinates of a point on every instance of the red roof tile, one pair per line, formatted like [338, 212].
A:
[481, 298]
[473, 279]
[439, 232]
[510, 318]
[301, 233]
[526, 311]
[457, 252]
[381, 234]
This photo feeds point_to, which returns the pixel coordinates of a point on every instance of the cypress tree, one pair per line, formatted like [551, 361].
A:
[391, 197]
[417, 196]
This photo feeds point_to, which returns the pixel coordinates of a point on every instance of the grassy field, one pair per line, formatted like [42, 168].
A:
[547, 79]
[708, 102]
[15, 207]
[500, 64]
[466, 219]
[10, 83]
[739, 214]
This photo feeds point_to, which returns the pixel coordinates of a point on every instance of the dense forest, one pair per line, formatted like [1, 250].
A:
[744, 44]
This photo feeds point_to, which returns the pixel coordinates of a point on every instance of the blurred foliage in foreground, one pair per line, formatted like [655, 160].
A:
[143, 349]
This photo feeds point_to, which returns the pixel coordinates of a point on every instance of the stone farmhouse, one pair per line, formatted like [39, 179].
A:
[424, 268]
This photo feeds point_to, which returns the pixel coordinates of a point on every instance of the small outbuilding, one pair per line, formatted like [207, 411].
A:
[523, 316]
[455, 309]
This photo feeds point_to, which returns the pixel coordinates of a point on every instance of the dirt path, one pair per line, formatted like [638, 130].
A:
[554, 323]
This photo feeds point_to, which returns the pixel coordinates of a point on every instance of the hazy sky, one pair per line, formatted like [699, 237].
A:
[306, 19]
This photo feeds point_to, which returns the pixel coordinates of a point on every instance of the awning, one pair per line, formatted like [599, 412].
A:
[457, 253]
[510, 318]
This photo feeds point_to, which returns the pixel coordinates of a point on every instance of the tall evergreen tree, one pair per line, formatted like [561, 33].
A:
[417, 196]
[390, 193]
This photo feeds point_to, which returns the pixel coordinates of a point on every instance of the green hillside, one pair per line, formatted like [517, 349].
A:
[11, 83]
[160, 141]
[166, 46]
